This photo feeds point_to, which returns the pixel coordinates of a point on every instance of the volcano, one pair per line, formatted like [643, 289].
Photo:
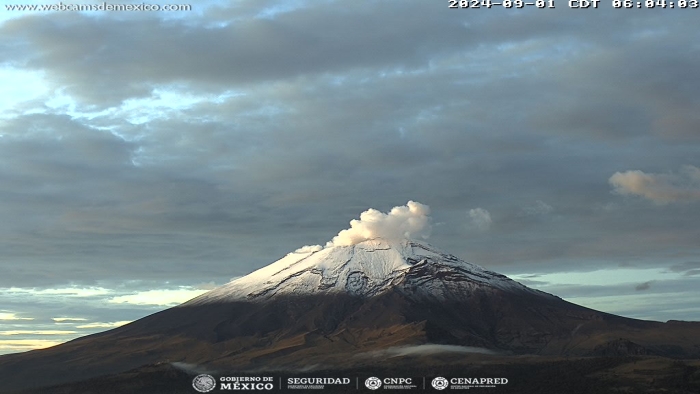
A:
[335, 305]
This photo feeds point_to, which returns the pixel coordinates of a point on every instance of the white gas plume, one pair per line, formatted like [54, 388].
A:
[408, 221]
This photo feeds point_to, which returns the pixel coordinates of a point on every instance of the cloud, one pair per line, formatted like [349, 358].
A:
[37, 332]
[104, 325]
[481, 218]
[409, 221]
[538, 208]
[424, 349]
[688, 268]
[644, 286]
[313, 39]
[67, 319]
[206, 286]
[158, 297]
[18, 345]
[683, 186]
[72, 291]
[12, 316]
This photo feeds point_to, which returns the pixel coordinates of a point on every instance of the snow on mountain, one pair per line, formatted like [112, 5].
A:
[377, 253]
[365, 269]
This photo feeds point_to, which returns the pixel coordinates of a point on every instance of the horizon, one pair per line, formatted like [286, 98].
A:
[148, 157]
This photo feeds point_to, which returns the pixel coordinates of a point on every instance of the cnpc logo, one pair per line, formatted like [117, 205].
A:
[374, 382]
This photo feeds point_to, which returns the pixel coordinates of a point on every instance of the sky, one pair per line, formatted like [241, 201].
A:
[149, 156]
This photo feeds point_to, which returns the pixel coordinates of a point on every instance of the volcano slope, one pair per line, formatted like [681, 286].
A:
[333, 306]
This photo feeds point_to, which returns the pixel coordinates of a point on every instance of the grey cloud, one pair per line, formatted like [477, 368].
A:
[480, 218]
[646, 305]
[106, 60]
[662, 287]
[688, 268]
[72, 193]
[532, 283]
[114, 59]
[539, 207]
[617, 93]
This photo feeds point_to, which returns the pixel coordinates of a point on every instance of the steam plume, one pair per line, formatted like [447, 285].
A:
[407, 221]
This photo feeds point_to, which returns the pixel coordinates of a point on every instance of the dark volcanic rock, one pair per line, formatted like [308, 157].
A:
[620, 348]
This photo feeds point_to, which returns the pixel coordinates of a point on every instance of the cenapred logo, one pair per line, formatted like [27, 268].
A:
[373, 383]
[440, 383]
[204, 383]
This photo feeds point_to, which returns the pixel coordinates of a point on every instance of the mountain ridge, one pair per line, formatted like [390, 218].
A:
[329, 306]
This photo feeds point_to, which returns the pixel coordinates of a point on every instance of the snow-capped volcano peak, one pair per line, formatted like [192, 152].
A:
[376, 254]
[364, 269]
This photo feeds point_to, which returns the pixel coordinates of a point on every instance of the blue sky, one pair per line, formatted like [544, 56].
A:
[146, 157]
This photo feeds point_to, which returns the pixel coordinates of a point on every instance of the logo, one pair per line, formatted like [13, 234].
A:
[468, 383]
[204, 383]
[373, 383]
[440, 383]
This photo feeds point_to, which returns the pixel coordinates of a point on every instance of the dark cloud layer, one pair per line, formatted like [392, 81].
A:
[199, 147]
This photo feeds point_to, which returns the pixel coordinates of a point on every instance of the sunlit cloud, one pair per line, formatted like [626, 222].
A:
[19, 345]
[158, 297]
[19, 86]
[13, 316]
[37, 332]
[104, 325]
[683, 186]
[67, 319]
[64, 291]
[163, 102]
